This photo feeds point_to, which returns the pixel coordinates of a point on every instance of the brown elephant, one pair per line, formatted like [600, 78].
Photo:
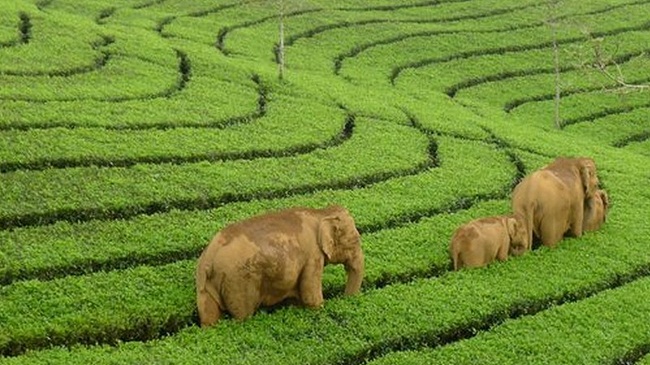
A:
[481, 241]
[596, 210]
[268, 258]
[552, 199]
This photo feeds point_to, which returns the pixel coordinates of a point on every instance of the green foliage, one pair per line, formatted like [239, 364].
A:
[645, 360]
[132, 131]
[279, 132]
[597, 330]
[123, 192]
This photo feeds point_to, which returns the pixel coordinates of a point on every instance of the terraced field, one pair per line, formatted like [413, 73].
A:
[133, 130]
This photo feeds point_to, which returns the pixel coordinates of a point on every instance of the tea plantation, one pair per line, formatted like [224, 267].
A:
[131, 131]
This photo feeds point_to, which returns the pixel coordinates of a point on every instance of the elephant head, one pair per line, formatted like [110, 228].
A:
[341, 244]
[518, 234]
[581, 168]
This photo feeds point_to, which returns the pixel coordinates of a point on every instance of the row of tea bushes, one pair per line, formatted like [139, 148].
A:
[166, 236]
[40, 196]
[607, 328]
[282, 131]
[413, 314]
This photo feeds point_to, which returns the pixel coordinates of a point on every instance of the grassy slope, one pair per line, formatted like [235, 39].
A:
[466, 150]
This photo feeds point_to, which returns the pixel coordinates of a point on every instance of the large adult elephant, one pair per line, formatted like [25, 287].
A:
[268, 258]
[552, 199]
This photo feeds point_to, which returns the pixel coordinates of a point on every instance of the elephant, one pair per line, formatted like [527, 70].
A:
[265, 259]
[481, 241]
[596, 210]
[552, 199]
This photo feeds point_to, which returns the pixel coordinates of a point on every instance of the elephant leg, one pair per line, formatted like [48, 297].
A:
[474, 258]
[311, 286]
[502, 253]
[552, 232]
[577, 221]
[242, 298]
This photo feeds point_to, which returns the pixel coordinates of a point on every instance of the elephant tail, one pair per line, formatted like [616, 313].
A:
[454, 252]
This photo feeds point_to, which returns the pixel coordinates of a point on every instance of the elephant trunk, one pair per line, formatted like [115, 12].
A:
[355, 270]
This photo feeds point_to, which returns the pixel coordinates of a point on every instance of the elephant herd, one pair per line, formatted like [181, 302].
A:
[277, 256]
[561, 198]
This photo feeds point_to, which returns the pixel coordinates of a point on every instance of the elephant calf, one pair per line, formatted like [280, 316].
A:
[596, 209]
[268, 258]
[481, 241]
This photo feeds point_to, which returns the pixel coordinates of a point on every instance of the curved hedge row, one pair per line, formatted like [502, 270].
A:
[243, 99]
[515, 92]
[349, 330]
[518, 63]
[36, 197]
[280, 132]
[111, 186]
[598, 330]
[48, 36]
[166, 237]
[481, 43]
[617, 130]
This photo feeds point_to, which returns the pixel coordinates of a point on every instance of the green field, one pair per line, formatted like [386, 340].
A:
[131, 131]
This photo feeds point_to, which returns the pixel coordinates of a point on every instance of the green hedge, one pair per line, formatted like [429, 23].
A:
[281, 131]
[169, 302]
[421, 312]
[517, 91]
[164, 237]
[242, 95]
[641, 148]
[41, 196]
[496, 67]
[597, 330]
[113, 83]
[96, 263]
[614, 129]
[50, 34]
[417, 52]
[585, 107]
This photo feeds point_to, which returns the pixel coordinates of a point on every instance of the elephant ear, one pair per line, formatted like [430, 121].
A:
[588, 176]
[605, 198]
[516, 230]
[326, 233]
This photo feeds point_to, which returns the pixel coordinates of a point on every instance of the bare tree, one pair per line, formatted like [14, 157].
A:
[280, 54]
[284, 9]
[602, 61]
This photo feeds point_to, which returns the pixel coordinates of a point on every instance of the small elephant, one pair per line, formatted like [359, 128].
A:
[268, 258]
[481, 241]
[596, 210]
[552, 199]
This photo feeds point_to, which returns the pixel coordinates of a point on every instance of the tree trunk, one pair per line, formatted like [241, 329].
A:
[556, 62]
[281, 46]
